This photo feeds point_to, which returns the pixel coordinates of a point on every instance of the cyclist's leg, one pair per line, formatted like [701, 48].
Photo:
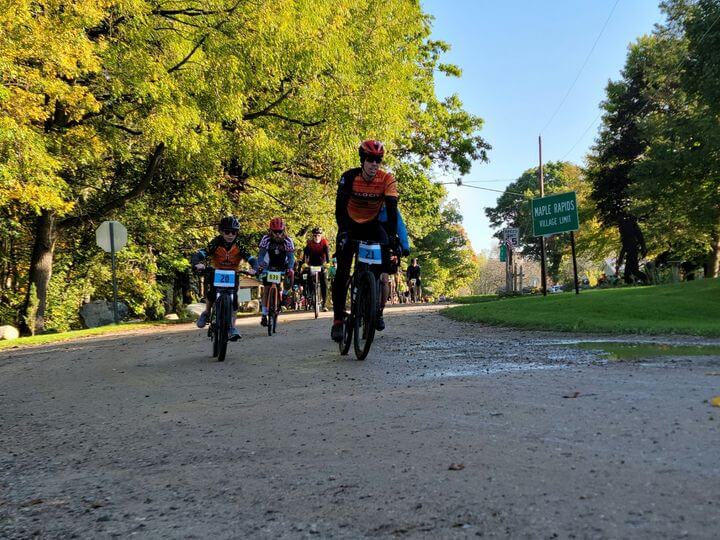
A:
[384, 268]
[384, 290]
[342, 276]
[323, 287]
[209, 301]
[234, 334]
[264, 299]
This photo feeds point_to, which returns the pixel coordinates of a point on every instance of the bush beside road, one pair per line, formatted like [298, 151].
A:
[684, 308]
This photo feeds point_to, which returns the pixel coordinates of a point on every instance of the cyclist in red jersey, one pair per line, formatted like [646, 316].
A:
[360, 197]
[317, 253]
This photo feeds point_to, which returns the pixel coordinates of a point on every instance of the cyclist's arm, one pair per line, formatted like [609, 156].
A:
[342, 217]
[290, 255]
[198, 257]
[391, 203]
[290, 260]
[202, 255]
[402, 233]
[326, 253]
[344, 222]
[262, 254]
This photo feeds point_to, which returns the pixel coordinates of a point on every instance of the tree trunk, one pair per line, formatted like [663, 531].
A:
[41, 266]
[715, 253]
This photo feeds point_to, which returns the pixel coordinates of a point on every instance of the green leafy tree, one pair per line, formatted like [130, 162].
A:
[176, 114]
[675, 184]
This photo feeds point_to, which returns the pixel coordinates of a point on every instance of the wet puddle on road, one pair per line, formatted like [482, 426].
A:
[470, 358]
[488, 369]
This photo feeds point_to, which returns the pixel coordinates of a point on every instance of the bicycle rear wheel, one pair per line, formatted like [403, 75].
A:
[365, 314]
[223, 326]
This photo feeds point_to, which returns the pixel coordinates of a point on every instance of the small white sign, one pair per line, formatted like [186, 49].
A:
[119, 233]
[511, 235]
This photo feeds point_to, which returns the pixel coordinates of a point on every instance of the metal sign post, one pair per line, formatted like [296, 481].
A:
[112, 237]
[114, 277]
[543, 270]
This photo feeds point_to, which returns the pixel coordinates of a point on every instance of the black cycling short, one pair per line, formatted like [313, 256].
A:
[369, 232]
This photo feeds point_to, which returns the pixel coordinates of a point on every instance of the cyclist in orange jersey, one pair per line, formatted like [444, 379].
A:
[360, 197]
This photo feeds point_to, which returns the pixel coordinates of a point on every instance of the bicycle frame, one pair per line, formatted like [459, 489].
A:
[272, 296]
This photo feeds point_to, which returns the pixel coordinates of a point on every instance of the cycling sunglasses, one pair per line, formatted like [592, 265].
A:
[374, 159]
[277, 232]
[229, 231]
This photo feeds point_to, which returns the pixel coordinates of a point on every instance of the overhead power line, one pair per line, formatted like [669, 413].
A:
[648, 100]
[587, 58]
[463, 184]
[581, 136]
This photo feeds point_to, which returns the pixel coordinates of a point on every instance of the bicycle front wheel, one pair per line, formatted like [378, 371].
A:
[214, 330]
[272, 308]
[224, 312]
[365, 314]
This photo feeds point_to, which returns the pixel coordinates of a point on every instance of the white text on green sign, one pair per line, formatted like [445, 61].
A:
[555, 214]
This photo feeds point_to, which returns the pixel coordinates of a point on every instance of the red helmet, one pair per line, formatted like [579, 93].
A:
[277, 224]
[371, 148]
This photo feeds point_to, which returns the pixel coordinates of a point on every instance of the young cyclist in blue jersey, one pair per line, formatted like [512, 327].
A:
[225, 253]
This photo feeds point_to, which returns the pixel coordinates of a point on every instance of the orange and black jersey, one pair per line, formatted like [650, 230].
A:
[359, 201]
[224, 255]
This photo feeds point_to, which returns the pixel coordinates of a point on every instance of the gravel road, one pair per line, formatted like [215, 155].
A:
[447, 430]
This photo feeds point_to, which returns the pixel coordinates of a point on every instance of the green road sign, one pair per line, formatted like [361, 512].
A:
[503, 252]
[555, 214]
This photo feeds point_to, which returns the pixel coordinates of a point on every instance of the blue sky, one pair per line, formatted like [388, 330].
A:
[519, 60]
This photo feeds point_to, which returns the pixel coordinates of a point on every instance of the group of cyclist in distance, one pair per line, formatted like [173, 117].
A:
[366, 209]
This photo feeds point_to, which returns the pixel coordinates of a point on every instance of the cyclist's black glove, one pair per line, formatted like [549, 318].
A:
[395, 245]
[343, 238]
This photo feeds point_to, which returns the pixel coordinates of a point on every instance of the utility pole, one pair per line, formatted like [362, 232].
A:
[542, 238]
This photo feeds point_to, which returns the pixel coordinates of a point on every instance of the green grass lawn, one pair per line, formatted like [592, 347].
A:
[683, 308]
[477, 299]
[637, 351]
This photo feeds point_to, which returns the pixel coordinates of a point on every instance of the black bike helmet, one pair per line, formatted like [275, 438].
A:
[317, 230]
[229, 223]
